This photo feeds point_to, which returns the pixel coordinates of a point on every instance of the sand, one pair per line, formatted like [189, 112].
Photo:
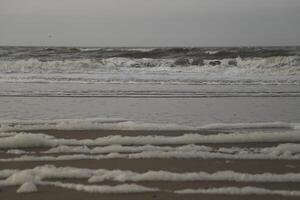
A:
[142, 165]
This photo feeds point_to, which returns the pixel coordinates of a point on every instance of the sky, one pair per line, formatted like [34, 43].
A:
[150, 22]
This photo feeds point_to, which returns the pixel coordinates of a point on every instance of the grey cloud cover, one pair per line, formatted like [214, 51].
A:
[150, 22]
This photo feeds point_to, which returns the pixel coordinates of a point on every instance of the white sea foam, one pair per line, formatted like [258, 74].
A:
[123, 124]
[156, 154]
[203, 155]
[85, 124]
[122, 149]
[239, 191]
[212, 52]
[124, 188]
[263, 125]
[283, 149]
[287, 150]
[23, 140]
[146, 146]
[261, 71]
[40, 173]
[90, 49]
[182, 139]
[123, 176]
[29, 178]
[17, 152]
[35, 66]
[243, 66]
[27, 187]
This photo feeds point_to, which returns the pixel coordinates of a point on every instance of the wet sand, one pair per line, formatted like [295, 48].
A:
[50, 193]
[143, 165]
[176, 165]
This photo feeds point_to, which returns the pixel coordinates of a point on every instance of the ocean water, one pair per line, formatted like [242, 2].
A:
[187, 86]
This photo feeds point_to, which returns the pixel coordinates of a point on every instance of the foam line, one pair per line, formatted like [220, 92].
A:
[104, 189]
[25, 140]
[287, 149]
[123, 124]
[123, 149]
[239, 191]
[38, 174]
[281, 151]
[122, 176]
[156, 154]
[27, 187]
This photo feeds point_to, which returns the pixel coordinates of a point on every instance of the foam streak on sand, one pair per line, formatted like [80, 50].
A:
[27, 187]
[281, 149]
[122, 176]
[239, 191]
[149, 146]
[28, 178]
[124, 188]
[39, 173]
[36, 176]
[154, 154]
[122, 149]
[25, 140]
[123, 124]
[268, 153]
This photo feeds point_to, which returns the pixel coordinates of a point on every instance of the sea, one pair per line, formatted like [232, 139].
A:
[190, 86]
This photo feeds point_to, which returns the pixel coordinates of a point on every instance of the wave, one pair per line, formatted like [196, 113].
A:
[287, 65]
[146, 52]
[89, 49]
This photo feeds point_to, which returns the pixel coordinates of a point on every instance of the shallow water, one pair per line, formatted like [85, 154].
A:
[184, 111]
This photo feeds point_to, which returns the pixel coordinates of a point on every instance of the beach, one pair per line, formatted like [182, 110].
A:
[76, 126]
[265, 163]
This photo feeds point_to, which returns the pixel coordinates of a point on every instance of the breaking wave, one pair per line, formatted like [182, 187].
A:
[284, 65]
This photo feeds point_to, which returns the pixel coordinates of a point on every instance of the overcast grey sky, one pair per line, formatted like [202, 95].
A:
[150, 22]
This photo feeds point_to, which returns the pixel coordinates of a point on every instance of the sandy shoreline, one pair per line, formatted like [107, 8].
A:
[167, 188]
[50, 193]
[176, 165]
